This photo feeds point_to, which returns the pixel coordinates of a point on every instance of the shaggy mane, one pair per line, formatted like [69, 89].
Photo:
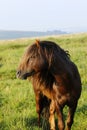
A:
[50, 50]
[51, 46]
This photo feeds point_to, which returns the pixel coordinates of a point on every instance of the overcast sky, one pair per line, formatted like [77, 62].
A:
[42, 15]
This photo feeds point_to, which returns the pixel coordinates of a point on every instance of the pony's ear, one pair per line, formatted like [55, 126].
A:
[37, 42]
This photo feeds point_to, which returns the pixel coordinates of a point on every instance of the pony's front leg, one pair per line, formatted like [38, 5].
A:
[59, 110]
[71, 116]
[51, 118]
[38, 106]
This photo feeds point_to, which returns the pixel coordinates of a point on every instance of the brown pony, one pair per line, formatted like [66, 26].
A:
[56, 80]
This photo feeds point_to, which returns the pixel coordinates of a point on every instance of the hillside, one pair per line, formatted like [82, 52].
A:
[5, 35]
[17, 100]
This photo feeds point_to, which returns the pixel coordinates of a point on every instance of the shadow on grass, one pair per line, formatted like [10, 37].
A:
[33, 122]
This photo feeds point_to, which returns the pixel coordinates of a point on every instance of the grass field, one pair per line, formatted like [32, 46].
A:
[17, 103]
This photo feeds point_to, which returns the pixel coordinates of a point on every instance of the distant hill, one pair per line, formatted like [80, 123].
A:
[6, 35]
[76, 30]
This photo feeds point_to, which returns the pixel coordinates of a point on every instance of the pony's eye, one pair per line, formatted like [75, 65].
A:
[32, 57]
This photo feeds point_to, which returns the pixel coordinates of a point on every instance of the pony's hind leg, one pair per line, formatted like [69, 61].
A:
[51, 117]
[70, 116]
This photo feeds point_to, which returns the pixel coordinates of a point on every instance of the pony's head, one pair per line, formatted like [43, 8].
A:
[32, 62]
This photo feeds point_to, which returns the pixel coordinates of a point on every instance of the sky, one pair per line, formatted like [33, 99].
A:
[42, 15]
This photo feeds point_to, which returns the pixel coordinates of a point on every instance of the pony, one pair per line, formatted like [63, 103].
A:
[55, 78]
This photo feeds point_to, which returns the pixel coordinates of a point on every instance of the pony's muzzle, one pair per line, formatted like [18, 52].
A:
[18, 73]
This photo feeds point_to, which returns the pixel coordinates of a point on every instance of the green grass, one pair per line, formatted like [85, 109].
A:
[17, 103]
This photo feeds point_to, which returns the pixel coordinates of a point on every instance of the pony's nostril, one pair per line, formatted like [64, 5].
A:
[18, 72]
